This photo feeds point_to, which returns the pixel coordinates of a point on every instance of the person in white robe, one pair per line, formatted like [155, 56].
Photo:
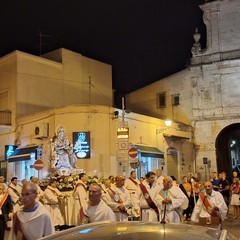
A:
[40, 195]
[143, 199]
[118, 199]
[132, 185]
[132, 182]
[171, 201]
[33, 221]
[210, 203]
[80, 198]
[52, 199]
[96, 209]
[159, 179]
[14, 190]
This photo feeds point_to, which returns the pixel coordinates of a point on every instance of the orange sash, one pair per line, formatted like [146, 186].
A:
[207, 205]
[205, 201]
[3, 199]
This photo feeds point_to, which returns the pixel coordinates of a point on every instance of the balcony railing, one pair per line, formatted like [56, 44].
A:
[5, 117]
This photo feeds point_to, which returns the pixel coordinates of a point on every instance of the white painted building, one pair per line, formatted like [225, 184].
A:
[62, 87]
[206, 95]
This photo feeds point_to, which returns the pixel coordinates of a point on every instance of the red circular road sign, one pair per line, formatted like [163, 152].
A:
[38, 165]
[133, 152]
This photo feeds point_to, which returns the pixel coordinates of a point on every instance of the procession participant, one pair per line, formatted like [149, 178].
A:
[132, 183]
[2, 178]
[159, 178]
[52, 198]
[186, 187]
[33, 221]
[6, 209]
[118, 199]
[14, 191]
[105, 185]
[40, 193]
[80, 197]
[112, 179]
[96, 209]
[210, 204]
[145, 197]
[171, 200]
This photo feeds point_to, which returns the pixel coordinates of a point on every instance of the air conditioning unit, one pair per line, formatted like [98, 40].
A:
[41, 130]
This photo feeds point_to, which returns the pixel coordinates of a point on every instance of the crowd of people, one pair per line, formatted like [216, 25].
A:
[154, 198]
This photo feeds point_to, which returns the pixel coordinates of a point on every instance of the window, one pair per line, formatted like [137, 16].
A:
[175, 99]
[161, 100]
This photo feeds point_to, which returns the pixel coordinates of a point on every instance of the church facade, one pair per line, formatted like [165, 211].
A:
[205, 95]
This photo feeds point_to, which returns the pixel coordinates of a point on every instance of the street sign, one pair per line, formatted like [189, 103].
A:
[38, 165]
[133, 152]
[134, 163]
[123, 144]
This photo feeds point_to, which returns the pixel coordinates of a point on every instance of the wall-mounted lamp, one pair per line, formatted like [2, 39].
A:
[168, 123]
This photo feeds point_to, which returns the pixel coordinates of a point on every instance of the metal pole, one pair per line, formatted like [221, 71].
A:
[123, 109]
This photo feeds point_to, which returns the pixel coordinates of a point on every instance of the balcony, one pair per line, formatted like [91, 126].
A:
[5, 120]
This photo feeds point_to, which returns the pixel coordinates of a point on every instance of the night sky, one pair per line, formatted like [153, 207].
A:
[143, 40]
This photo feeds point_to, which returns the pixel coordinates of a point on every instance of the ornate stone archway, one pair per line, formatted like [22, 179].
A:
[225, 149]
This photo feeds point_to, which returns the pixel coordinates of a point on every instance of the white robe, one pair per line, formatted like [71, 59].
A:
[159, 182]
[173, 211]
[34, 225]
[80, 198]
[99, 212]
[123, 195]
[52, 205]
[15, 198]
[130, 185]
[147, 213]
[215, 199]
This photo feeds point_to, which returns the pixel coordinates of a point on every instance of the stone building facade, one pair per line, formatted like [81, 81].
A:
[206, 95]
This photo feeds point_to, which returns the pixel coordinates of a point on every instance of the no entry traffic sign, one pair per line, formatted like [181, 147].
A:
[38, 165]
[133, 152]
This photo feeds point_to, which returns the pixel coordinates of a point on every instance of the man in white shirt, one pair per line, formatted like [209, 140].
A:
[96, 209]
[210, 204]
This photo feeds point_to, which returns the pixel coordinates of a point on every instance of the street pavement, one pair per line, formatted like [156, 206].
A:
[232, 225]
